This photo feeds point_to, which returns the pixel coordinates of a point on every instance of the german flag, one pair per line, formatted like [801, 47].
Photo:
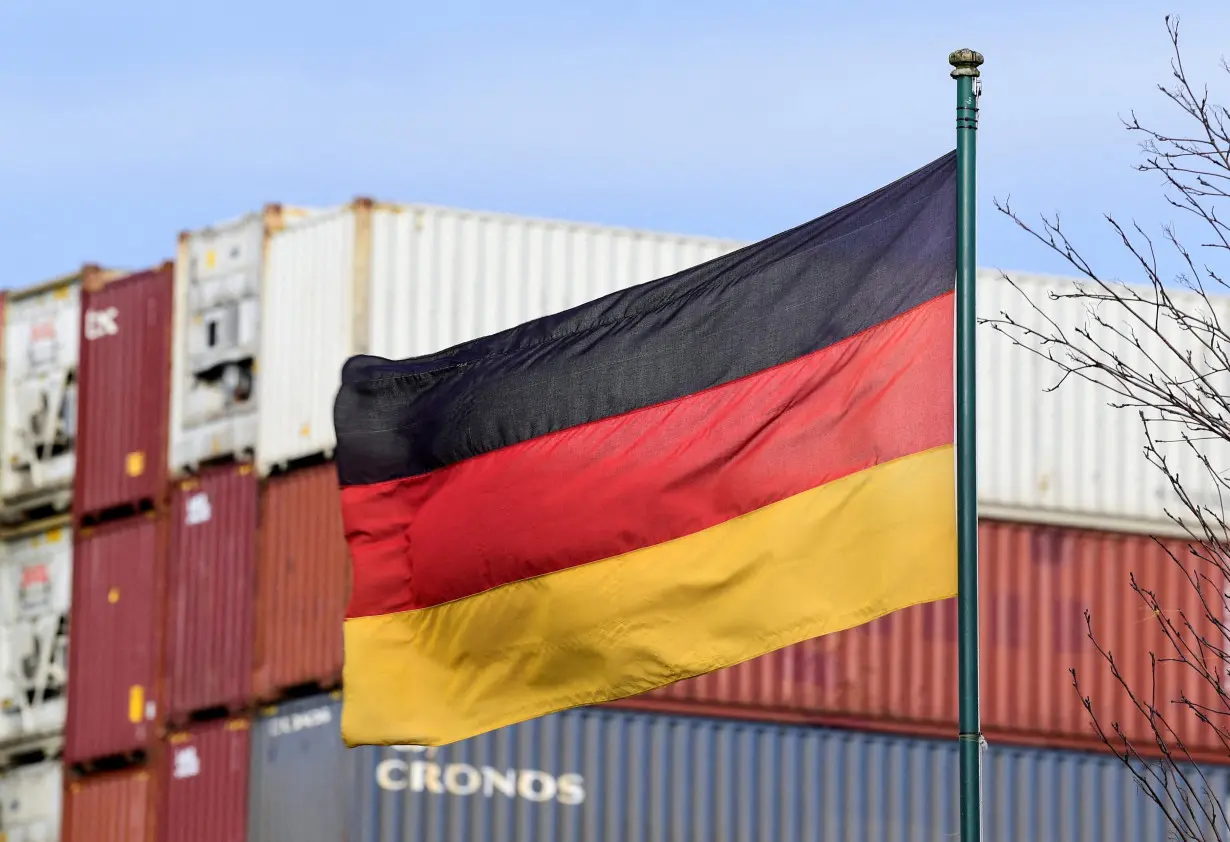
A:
[656, 484]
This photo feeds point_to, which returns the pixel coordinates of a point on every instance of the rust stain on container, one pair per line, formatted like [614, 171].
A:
[113, 807]
[204, 780]
[899, 673]
[301, 583]
[123, 392]
[115, 652]
[210, 576]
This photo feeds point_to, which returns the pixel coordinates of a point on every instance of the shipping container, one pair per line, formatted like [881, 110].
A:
[36, 569]
[116, 636]
[899, 673]
[123, 392]
[210, 581]
[603, 775]
[218, 278]
[298, 773]
[205, 783]
[40, 393]
[30, 799]
[111, 807]
[399, 281]
[405, 280]
[1066, 456]
[301, 583]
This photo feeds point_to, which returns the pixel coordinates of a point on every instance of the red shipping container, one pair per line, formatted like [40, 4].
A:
[899, 673]
[301, 583]
[210, 577]
[114, 651]
[204, 779]
[124, 377]
[113, 807]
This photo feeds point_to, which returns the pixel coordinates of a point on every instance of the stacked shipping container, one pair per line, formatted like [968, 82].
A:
[210, 573]
[119, 501]
[301, 584]
[898, 673]
[36, 468]
[603, 774]
[41, 344]
[169, 552]
[125, 372]
[208, 538]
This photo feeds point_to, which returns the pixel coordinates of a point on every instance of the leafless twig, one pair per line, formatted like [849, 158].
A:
[1161, 349]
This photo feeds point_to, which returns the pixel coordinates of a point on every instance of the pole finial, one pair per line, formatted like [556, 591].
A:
[964, 63]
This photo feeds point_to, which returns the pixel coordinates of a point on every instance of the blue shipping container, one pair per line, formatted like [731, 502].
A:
[297, 790]
[597, 775]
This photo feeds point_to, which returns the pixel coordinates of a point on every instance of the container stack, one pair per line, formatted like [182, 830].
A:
[403, 281]
[393, 281]
[1069, 505]
[37, 460]
[120, 530]
[278, 529]
[208, 571]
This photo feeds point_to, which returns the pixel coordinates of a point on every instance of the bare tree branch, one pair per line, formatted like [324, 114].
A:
[1161, 349]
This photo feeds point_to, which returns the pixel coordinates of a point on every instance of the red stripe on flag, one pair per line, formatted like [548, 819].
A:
[634, 480]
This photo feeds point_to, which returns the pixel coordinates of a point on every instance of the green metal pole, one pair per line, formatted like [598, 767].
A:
[965, 70]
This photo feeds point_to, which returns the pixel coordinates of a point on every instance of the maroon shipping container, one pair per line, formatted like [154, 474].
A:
[123, 389]
[899, 673]
[204, 780]
[113, 807]
[115, 652]
[210, 576]
[301, 583]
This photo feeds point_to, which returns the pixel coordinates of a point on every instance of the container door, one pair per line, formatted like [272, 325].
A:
[35, 584]
[220, 294]
[41, 390]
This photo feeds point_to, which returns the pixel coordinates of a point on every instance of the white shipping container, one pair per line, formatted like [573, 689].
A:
[1068, 456]
[219, 273]
[41, 339]
[30, 798]
[35, 591]
[404, 280]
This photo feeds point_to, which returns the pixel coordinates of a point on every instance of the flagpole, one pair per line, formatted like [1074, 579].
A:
[965, 70]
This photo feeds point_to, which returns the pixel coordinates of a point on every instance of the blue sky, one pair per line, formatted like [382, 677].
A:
[128, 121]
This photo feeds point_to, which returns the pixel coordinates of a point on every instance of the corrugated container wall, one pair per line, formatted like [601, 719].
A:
[301, 583]
[40, 392]
[217, 313]
[586, 775]
[298, 773]
[401, 281]
[124, 379]
[899, 672]
[210, 579]
[30, 803]
[36, 570]
[205, 783]
[1066, 456]
[113, 807]
[117, 633]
